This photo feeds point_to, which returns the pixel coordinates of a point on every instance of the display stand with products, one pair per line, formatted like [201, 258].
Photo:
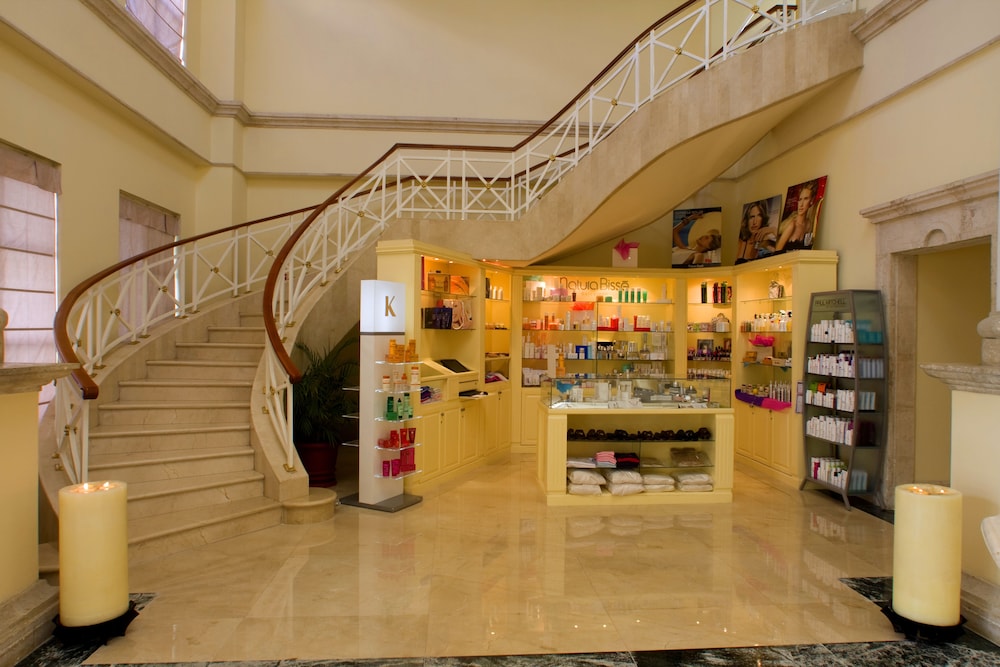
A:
[635, 440]
[709, 340]
[388, 432]
[459, 312]
[845, 392]
[771, 303]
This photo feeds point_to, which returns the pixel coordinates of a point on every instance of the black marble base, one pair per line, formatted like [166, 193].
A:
[915, 631]
[968, 649]
[97, 634]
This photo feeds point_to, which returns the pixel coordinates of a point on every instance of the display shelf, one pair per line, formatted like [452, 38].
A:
[596, 324]
[716, 452]
[772, 299]
[389, 393]
[845, 393]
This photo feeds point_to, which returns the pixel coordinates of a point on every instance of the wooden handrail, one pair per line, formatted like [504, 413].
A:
[88, 388]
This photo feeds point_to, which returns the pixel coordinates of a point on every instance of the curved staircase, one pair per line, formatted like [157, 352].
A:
[175, 421]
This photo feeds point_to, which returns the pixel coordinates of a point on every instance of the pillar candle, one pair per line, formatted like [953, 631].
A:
[927, 554]
[93, 553]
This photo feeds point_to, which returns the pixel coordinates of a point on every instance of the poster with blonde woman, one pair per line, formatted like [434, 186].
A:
[697, 237]
[800, 219]
[758, 229]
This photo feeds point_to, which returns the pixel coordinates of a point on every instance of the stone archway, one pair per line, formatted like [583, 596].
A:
[955, 214]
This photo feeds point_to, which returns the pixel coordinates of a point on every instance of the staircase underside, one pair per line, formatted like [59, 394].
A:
[668, 150]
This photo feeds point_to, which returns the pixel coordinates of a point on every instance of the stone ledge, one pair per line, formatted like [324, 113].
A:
[319, 506]
[26, 621]
[981, 607]
[974, 378]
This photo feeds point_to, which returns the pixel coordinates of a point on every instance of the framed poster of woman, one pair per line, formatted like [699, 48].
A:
[758, 229]
[800, 218]
[697, 239]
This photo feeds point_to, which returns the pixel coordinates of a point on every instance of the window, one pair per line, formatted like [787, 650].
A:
[164, 19]
[151, 287]
[29, 186]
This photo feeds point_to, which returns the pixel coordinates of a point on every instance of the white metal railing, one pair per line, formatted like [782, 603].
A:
[483, 183]
[120, 305]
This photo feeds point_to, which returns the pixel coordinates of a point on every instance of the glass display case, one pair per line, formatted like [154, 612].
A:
[635, 392]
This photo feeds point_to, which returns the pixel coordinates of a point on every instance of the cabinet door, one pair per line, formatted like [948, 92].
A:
[529, 417]
[760, 423]
[489, 438]
[451, 438]
[429, 452]
[782, 437]
[472, 430]
[744, 428]
[504, 399]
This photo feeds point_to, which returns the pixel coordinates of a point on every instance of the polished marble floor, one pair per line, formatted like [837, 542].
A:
[483, 568]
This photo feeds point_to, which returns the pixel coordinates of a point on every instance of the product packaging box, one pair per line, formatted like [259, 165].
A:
[438, 282]
[437, 318]
[459, 285]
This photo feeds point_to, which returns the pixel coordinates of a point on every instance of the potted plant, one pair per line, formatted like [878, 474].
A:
[319, 425]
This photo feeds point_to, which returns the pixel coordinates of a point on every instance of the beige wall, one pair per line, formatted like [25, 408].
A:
[397, 57]
[953, 296]
[99, 154]
[974, 450]
[18, 493]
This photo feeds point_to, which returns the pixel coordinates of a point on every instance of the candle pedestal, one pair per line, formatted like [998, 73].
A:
[927, 563]
[915, 631]
[96, 634]
[94, 602]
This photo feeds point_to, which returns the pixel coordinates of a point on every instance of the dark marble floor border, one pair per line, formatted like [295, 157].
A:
[967, 650]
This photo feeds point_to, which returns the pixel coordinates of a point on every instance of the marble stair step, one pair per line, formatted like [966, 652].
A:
[241, 334]
[183, 389]
[252, 319]
[175, 412]
[158, 536]
[193, 350]
[236, 334]
[172, 495]
[135, 467]
[204, 369]
[148, 438]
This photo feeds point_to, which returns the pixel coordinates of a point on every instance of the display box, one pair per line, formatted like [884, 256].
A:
[436, 318]
[438, 282]
[459, 285]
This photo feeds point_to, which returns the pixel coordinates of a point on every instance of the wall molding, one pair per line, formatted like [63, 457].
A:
[882, 17]
[130, 30]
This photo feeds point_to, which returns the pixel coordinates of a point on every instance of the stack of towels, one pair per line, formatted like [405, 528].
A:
[694, 481]
[658, 482]
[583, 479]
[605, 460]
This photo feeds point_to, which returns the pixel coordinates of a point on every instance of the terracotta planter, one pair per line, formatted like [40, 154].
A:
[320, 461]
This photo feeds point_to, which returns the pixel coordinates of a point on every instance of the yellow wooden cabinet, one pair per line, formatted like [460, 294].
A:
[459, 310]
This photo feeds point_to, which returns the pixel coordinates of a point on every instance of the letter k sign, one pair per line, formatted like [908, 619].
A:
[389, 312]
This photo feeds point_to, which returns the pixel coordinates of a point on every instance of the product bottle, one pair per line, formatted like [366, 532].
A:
[715, 292]
[704, 292]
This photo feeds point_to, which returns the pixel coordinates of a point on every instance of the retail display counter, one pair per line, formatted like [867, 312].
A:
[667, 441]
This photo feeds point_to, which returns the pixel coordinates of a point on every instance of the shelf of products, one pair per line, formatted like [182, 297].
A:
[845, 392]
[772, 299]
[465, 397]
[596, 325]
[496, 326]
[388, 394]
[709, 340]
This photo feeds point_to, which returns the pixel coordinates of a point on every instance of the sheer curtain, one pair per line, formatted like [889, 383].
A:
[150, 285]
[29, 186]
[164, 19]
